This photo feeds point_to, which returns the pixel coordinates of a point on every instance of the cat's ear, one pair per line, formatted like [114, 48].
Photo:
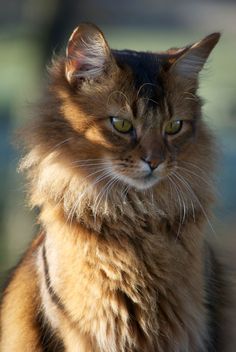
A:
[189, 61]
[87, 53]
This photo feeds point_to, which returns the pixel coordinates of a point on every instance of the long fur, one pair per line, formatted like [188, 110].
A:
[117, 268]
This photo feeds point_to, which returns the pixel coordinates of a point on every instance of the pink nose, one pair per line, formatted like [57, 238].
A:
[153, 163]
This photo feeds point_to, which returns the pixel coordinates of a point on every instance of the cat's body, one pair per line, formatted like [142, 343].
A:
[121, 263]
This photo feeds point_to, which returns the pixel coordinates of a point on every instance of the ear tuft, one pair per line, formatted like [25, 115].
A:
[191, 62]
[87, 53]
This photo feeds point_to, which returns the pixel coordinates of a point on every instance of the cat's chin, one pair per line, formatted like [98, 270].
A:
[141, 183]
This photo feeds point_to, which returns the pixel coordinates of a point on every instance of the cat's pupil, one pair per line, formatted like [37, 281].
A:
[121, 125]
[173, 127]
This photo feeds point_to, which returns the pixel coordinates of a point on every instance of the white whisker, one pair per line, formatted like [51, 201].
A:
[61, 143]
[194, 174]
[193, 165]
[101, 177]
[88, 160]
[101, 193]
[180, 206]
[189, 188]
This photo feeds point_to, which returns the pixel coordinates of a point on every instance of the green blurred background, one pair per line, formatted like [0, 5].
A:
[30, 31]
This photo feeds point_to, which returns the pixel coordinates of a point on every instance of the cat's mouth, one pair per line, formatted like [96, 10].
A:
[141, 182]
[141, 177]
[146, 181]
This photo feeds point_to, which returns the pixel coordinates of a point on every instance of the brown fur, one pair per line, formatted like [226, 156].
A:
[119, 268]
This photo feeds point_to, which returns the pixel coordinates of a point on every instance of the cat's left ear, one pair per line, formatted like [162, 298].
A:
[189, 61]
[87, 53]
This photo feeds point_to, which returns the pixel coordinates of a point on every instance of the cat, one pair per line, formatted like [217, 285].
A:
[120, 164]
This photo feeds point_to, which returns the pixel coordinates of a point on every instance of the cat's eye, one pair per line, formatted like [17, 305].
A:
[173, 127]
[121, 125]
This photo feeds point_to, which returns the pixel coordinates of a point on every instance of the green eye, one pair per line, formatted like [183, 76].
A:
[121, 125]
[173, 127]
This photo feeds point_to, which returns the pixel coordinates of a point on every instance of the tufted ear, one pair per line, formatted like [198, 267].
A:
[87, 53]
[189, 61]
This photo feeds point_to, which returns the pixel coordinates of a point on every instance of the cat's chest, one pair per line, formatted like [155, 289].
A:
[137, 292]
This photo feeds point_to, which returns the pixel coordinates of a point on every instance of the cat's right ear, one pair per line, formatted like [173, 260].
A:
[189, 61]
[87, 54]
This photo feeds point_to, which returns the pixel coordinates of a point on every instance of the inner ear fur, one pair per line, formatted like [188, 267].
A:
[87, 54]
[189, 61]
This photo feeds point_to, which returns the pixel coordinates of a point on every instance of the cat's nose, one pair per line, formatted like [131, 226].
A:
[153, 163]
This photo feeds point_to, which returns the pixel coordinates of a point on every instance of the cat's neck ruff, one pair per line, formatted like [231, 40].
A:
[82, 202]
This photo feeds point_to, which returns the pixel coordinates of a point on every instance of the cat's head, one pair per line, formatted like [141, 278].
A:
[136, 114]
[121, 120]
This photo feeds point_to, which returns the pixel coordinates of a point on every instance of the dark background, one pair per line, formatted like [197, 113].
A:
[30, 31]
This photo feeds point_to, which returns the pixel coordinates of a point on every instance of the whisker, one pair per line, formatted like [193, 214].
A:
[193, 210]
[189, 188]
[143, 85]
[149, 99]
[103, 176]
[183, 202]
[180, 207]
[119, 92]
[171, 188]
[90, 165]
[95, 172]
[124, 192]
[91, 160]
[194, 165]
[193, 173]
[100, 195]
[116, 180]
[61, 143]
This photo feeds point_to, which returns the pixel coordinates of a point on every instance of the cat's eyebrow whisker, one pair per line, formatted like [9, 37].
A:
[189, 188]
[149, 99]
[117, 92]
[117, 112]
[143, 85]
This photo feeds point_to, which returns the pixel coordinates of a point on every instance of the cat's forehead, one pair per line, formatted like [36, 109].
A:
[145, 80]
[145, 67]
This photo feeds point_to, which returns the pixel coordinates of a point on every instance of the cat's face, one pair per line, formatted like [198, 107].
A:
[136, 134]
[135, 116]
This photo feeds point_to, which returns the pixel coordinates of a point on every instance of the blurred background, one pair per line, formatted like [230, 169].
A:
[30, 31]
